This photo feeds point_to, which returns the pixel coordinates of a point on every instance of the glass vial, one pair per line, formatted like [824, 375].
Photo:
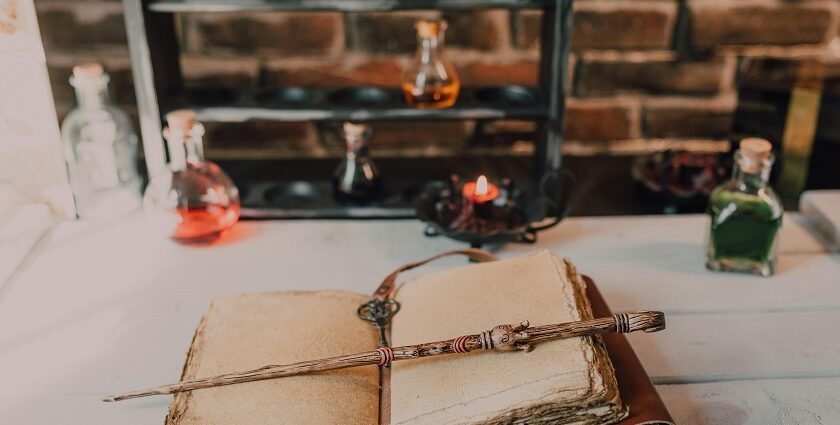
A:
[356, 180]
[100, 149]
[746, 214]
[195, 201]
[430, 81]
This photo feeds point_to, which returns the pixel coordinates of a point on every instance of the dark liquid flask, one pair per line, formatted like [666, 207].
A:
[356, 180]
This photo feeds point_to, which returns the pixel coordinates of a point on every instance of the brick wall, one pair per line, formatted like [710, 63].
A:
[642, 70]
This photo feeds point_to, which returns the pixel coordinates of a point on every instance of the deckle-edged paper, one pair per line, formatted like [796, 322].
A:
[248, 331]
[563, 381]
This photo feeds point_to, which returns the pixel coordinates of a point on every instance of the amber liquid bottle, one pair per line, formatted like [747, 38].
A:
[195, 201]
[431, 81]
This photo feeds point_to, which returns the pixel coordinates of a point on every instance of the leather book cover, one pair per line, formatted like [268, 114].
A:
[634, 386]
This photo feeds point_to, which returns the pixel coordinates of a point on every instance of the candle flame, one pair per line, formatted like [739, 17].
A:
[481, 186]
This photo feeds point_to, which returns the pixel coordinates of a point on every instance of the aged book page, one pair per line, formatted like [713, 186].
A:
[564, 381]
[248, 331]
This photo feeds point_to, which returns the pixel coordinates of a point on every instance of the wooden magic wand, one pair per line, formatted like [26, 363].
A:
[501, 338]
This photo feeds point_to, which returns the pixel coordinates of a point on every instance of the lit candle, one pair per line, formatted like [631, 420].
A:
[480, 191]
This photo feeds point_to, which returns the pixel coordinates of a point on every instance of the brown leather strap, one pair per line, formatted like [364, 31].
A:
[385, 291]
[389, 284]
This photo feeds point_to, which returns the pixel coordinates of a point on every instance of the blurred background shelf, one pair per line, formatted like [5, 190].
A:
[294, 104]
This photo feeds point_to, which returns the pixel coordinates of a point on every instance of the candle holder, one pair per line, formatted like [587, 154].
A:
[517, 214]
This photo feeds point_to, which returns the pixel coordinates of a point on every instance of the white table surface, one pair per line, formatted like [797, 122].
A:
[103, 307]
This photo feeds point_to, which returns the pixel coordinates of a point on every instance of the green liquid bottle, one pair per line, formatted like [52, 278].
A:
[746, 215]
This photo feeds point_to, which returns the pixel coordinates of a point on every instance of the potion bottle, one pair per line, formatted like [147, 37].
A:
[431, 81]
[356, 180]
[746, 214]
[100, 149]
[193, 201]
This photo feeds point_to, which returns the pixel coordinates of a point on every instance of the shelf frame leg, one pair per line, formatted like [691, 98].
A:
[553, 81]
[153, 47]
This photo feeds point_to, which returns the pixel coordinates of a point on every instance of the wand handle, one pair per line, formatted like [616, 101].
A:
[500, 338]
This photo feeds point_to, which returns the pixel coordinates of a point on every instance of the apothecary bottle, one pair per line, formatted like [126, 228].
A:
[356, 180]
[100, 149]
[746, 214]
[431, 81]
[193, 201]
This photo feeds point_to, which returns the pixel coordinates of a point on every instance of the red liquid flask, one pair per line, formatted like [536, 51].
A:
[195, 201]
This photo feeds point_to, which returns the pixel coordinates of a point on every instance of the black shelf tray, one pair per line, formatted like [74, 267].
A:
[187, 6]
[355, 104]
[310, 199]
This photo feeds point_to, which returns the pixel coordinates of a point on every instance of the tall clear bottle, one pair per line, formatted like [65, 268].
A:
[356, 180]
[100, 149]
[195, 201]
[746, 214]
[431, 81]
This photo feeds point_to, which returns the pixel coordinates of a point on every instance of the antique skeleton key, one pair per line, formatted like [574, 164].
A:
[379, 313]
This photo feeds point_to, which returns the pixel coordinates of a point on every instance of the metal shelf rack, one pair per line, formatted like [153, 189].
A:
[158, 82]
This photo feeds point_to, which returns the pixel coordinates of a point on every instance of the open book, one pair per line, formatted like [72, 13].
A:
[562, 381]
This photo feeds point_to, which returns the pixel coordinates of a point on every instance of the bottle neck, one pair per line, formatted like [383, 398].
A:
[185, 148]
[92, 97]
[427, 48]
[357, 147]
[91, 92]
[749, 174]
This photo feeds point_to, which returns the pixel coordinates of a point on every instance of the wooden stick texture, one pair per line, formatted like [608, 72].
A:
[500, 338]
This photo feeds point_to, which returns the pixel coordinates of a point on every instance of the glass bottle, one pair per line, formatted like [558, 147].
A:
[100, 149]
[431, 81]
[746, 214]
[195, 201]
[356, 179]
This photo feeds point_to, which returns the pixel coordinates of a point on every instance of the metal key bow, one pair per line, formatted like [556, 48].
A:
[379, 313]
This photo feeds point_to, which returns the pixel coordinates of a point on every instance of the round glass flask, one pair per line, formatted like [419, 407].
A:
[195, 200]
[431, 81]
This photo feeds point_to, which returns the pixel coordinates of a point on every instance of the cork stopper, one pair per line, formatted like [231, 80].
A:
[88, 71]
[181, 120]
[426, 28]
[89, 76]
[354, 130]
[754, 154]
